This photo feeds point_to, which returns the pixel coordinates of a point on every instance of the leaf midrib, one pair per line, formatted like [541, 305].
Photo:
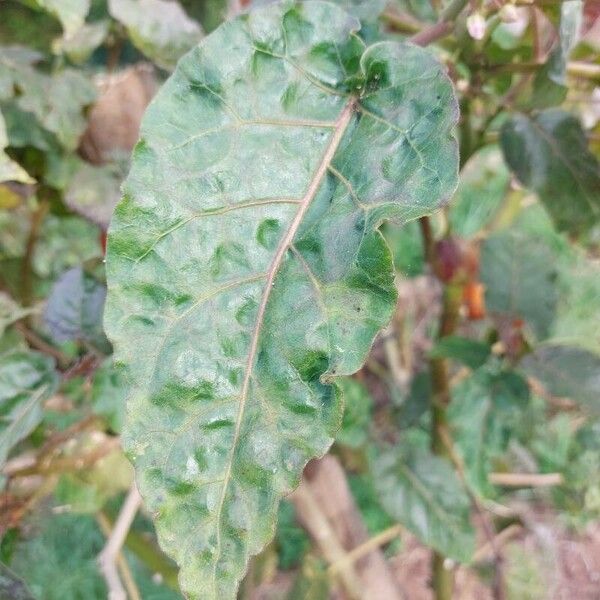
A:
[341, 125]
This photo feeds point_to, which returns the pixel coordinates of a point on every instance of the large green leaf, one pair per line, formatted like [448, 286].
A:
[26, 380]
[423, 493]
[159, 28]
[519, 272]
[245, 268]
[549, 154]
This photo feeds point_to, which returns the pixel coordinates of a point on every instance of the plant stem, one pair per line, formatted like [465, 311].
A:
[320, 528]
[401, 22]
[443, 27]
[442, 579]
[37, 217]
[38, 343]
[467, 142]
[382, 538]
[108, 558]
[440, 379]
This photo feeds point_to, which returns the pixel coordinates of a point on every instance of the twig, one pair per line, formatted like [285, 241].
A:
[43, 466]
[147, 551]
[384, 537]
[491, 547]
[37, 217]
[585, 70]
[428, 241]
[401, 22]
[128, 580]
[442, 578]
[60, 437]
[108, 558]
[443, 27]
[323, 533]
[37, 343]
[393, 358]
[526, 479]
[498, 583]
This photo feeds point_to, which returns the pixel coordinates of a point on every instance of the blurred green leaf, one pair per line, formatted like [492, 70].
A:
[93, 191]
[423, 10]
[414, 404]
[357, 413]
[27, 25]
[312, 582]
[109, 394]
[16, 69]
[9, 169]
[11, 311]
[24, 129]
[158, 28]
[484, 413]
[210, 13]
[75, 307]
[364, 10]
[577, 320]
[292, 541]
[569, 372]
[406, 244]
[27, 379]
[519, 273]
[549, 154]
[549, 87]
[424, 493]
[87, 491]
[58, 102]
[58, 559]
[65, 241]
[11, 586]
[469, 352]
[81, 43]
[70, 13]
[482, 188]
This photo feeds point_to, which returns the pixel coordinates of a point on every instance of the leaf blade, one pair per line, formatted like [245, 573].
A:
[254, 270]
[549, 154]
[423, 493]
[26, 380]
